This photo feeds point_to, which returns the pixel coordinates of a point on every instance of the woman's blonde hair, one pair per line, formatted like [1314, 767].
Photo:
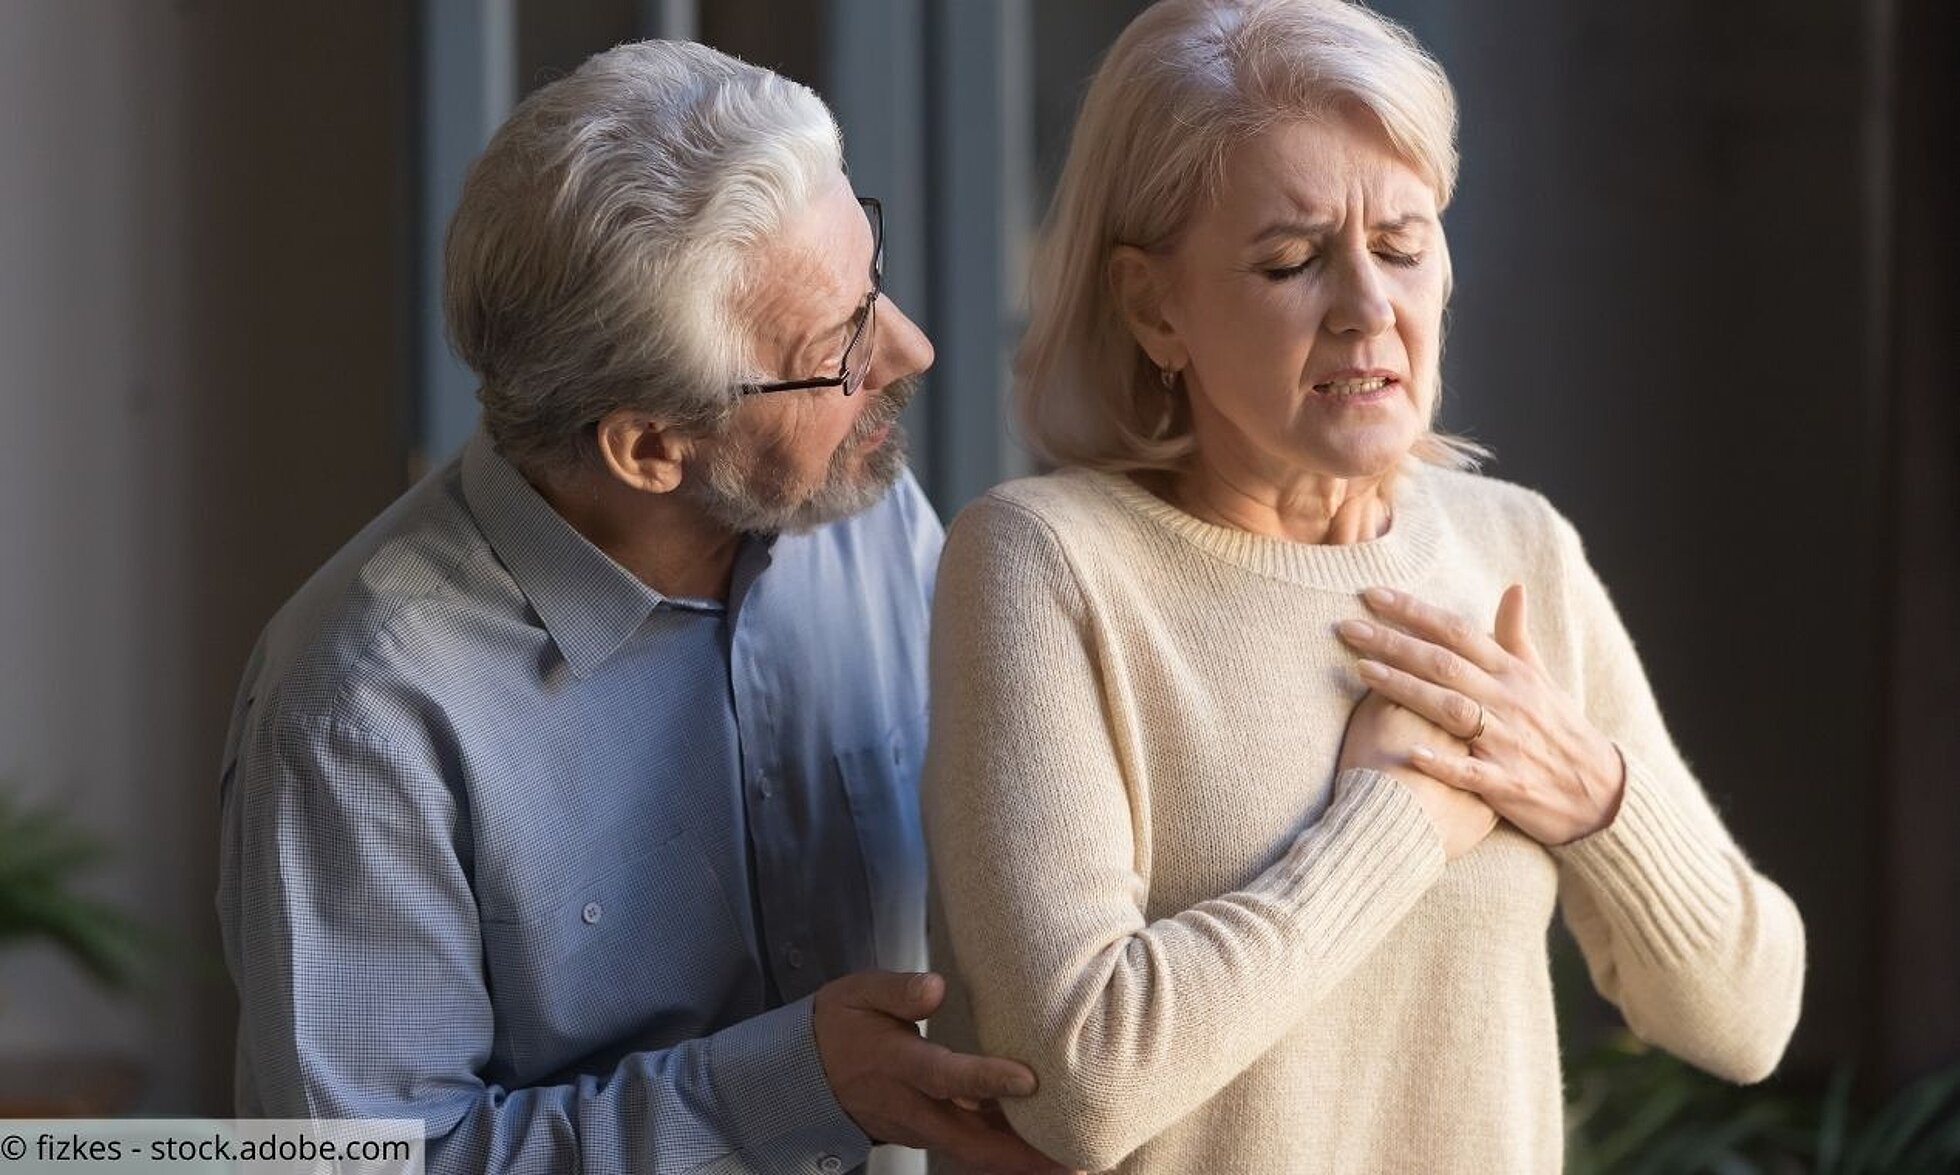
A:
[1186, 82]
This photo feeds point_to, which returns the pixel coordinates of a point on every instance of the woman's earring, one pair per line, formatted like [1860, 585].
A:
[1168, 377]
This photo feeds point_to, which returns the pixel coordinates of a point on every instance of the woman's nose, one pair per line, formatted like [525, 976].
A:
[1361, 303]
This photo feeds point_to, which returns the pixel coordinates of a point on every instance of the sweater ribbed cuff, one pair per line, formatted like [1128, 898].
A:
[1352, 876]
[1660, 876]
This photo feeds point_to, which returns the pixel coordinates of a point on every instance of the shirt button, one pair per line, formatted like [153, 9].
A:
[592, 913]
[762, 785]
[830, 1164]
[794, 957]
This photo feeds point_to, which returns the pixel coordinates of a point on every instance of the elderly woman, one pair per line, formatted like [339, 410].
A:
[1247, 821]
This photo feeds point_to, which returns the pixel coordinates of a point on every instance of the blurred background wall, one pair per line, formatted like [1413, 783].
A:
[1706, 295]
[202, 381]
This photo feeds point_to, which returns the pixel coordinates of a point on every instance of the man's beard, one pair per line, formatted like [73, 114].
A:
[744, 490]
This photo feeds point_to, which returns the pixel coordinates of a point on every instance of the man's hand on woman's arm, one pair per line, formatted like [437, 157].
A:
[899, 1087]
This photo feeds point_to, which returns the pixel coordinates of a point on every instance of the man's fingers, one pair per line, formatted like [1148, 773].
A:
[939, 1072]
[901, 995]
[975, 1142]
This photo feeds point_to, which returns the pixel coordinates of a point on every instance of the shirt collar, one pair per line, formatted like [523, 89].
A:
[588, 603]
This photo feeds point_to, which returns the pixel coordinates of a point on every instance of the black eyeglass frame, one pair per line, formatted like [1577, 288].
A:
[867, 319]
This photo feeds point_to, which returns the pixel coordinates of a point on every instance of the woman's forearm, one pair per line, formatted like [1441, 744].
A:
[1128, 1024]
[1703, 955]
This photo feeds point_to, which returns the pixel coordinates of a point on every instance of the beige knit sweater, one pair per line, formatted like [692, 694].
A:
[1217, 956]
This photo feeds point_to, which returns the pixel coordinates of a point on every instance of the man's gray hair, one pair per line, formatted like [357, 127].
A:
[597, 253]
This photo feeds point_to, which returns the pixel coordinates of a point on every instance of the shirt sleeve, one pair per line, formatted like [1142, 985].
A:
[352, 933]
[1702, 954]
[1128, 1023]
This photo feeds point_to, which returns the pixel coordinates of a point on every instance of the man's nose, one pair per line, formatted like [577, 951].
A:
[902, 348]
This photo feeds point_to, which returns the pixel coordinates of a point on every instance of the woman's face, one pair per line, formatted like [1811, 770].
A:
[1308, 305]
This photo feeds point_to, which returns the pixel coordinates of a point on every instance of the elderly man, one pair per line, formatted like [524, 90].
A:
[570, 808]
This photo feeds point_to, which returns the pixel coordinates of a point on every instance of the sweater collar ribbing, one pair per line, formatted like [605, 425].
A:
[1397, 559]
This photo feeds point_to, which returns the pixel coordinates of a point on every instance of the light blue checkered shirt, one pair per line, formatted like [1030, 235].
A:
[515, 845]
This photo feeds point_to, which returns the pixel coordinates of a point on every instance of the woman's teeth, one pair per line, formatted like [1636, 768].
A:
[1350, 387]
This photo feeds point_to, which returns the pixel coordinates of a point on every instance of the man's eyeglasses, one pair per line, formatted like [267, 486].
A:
[856, 361]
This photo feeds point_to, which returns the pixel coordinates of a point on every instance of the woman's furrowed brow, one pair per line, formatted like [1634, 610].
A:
[1317, 229]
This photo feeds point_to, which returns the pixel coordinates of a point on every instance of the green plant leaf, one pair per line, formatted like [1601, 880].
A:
[1938, 1150]
[1835, 1123]
[1894, 1128]
[1632, 1110]
[1714, 1144]
[41, 852]
[99, 938]
[1644, 1126]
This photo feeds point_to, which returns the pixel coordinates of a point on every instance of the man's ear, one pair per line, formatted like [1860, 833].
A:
[1141, 285]
[642, 452]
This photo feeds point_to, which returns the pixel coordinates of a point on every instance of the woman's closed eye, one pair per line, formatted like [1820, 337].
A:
[1281, 272]
[1399, 258]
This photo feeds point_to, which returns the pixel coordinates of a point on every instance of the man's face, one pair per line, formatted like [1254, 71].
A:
[797, 459]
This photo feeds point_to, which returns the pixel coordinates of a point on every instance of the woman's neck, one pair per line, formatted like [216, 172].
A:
[1306, 508]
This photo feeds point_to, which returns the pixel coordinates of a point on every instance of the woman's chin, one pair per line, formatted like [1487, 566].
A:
[1362, 458]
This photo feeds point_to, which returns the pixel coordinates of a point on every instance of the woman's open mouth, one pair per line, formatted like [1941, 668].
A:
[1363, 390]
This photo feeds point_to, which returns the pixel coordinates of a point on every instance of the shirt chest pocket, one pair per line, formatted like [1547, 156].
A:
[881, 785]
[646, 947]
